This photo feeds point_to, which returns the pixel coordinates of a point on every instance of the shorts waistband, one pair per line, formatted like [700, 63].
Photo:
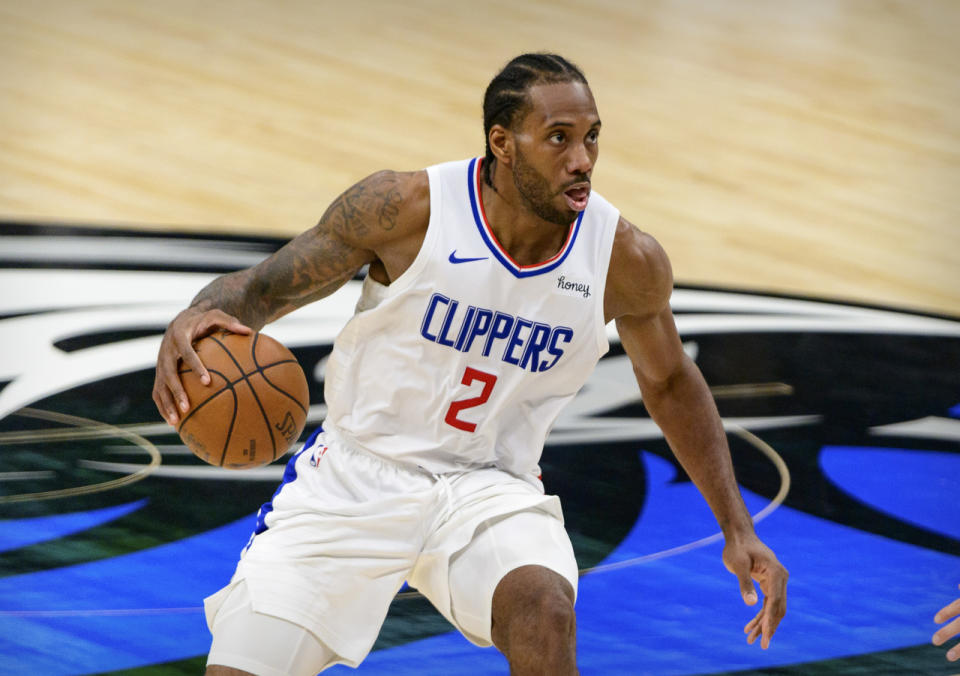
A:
[387, 462]
[334, 435]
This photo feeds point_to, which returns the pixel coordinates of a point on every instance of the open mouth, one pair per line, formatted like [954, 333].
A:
[577, 197]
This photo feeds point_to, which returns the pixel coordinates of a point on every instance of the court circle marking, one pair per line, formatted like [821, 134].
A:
[96, 429]
[778, 499]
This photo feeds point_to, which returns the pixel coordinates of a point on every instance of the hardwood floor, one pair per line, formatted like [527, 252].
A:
[807, 147]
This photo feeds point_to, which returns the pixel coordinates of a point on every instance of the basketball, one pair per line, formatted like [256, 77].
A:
[255, 406]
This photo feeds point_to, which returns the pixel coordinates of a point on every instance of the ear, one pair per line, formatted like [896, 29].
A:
[501, 144]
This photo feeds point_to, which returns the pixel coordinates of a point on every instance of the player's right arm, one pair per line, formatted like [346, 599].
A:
[370, 222]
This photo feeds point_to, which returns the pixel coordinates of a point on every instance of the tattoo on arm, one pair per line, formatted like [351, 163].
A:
[373, 201]
[316, 263]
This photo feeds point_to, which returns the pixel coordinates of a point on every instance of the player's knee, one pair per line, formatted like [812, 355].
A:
[217, 670]
[555, 616]
[533, 606]
[541, 640]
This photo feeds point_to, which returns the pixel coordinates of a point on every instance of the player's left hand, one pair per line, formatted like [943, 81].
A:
[749, 559]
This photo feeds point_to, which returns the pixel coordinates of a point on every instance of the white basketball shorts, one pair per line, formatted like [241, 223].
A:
[346, 528]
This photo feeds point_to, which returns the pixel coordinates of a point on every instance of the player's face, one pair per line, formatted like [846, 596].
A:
[556, 148]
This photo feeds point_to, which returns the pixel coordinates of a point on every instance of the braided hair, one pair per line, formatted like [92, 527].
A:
[506, 100]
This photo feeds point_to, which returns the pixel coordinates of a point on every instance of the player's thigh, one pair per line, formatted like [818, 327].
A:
[245, 641]
[528, 538]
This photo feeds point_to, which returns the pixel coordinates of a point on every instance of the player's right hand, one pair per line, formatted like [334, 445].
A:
[186, 328]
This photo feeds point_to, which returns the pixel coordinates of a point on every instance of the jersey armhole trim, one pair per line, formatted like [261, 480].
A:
[430, 239]
[603, 269]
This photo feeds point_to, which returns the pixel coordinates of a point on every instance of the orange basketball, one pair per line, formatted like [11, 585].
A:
[255, 406]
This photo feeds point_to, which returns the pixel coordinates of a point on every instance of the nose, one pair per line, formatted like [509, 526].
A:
[581, 159]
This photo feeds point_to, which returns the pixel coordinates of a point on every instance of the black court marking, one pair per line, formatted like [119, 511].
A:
[97, 338]
[54, 246]
[855, 382]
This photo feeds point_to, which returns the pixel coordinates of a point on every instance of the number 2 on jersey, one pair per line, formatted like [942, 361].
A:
[469, 376]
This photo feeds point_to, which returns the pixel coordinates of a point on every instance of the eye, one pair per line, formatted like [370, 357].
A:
[593, 136]
[557, 137]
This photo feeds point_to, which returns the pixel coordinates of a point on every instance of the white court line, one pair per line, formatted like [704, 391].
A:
[142, 471]
[758, 443]
[26, 476]
[781, 495]
[101, 612]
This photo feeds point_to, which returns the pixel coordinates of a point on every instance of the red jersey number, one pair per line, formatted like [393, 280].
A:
[469, 376]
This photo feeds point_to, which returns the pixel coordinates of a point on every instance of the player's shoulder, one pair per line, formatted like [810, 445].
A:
[397, 201]
[640, 278]
[395, 187]
[640, 247]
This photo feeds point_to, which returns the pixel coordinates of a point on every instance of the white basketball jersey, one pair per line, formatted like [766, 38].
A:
[467, 358]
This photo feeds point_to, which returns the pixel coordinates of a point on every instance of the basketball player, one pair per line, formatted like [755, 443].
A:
[951, 611]
[483, 312]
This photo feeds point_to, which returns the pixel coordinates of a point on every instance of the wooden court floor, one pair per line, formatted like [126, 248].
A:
[803, 155]
[804, 146]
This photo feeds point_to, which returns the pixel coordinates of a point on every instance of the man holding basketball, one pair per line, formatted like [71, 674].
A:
[490, 284]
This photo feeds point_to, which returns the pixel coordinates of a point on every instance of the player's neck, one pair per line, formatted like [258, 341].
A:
[528, 238]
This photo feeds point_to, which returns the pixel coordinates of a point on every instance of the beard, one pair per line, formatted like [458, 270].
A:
[535, 191]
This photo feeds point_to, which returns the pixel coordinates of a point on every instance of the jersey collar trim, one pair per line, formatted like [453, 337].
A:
[486, 233]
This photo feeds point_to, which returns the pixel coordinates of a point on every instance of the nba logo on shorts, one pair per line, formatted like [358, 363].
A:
[317, 455]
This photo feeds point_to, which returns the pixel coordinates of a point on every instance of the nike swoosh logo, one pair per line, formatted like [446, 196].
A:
[456, 259]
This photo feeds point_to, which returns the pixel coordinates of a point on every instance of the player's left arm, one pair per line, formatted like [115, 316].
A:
[676, 395]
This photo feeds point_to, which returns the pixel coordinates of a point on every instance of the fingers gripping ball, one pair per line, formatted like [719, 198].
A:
[255, 406]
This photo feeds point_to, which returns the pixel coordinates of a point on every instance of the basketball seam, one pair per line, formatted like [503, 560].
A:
[263, 411]
[232, 385]
[228, 387]
[233, 420]
[253, 391]
[263, 372]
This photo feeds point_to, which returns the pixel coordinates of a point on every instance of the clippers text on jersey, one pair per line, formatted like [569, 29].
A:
[525, 343]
